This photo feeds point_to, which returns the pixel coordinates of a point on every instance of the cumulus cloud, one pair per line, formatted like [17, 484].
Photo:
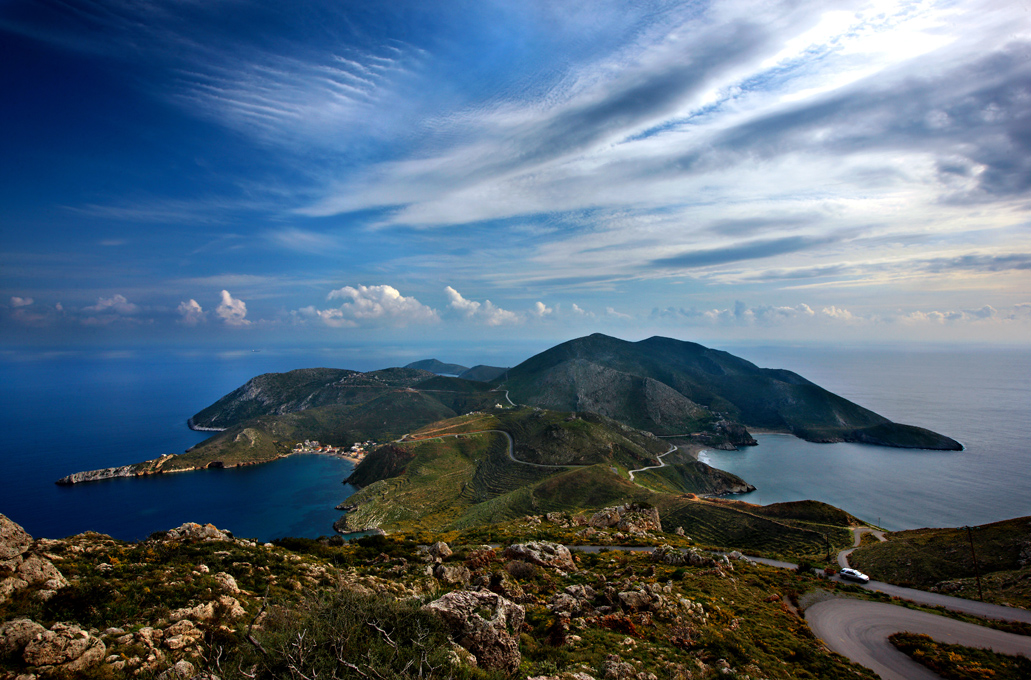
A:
[540, 310]
[20, 302]
[487, 311]
[373, 305]
[190, 313]
[116, 304]
[232, 311]
[743, 315]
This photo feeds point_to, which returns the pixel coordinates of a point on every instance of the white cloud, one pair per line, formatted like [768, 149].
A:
[233, 312]
[116, 304]
[191, 313]
[540, 310]
[375, 304]
[611, 311]
[839, 313]
[491, 314]
[21, 302]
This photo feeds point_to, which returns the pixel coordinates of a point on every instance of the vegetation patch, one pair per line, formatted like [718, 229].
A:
[955, 662]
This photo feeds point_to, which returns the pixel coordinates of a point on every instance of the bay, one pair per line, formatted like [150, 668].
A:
[85, 410]
[981, 397]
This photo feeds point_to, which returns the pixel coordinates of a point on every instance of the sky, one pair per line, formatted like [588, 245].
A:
[232, 173]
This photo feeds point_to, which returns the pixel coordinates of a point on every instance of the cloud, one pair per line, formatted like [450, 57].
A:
[233, 312]
[191, 313]
[21, 302]
[487, 311]
[375, 305]
[116, 304]
[746, 251]
[611, 311]
[540, 310]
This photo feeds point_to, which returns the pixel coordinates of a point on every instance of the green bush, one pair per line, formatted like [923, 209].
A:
[346, 634]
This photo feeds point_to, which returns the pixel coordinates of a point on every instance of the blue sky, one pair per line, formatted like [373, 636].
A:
[261, 173]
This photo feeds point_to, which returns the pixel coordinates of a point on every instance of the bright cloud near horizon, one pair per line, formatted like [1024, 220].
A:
[326, 171]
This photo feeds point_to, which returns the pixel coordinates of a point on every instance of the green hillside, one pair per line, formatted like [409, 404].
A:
[635, 382]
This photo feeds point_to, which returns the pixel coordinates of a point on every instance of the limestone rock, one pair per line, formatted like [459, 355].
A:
[14, 540]
[437, 552]
[617, 669]
[631, 518]
[182, 633]
[180, 671]
[66, 648]
[14, 635]
[452, 575]
[191, 531]
[228, 608]
[543, 553]
[494, 641]
[227, 582]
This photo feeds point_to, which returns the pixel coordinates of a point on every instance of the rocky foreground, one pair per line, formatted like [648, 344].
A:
[196, 602]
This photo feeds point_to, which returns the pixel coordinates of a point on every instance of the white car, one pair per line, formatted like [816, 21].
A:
[854, 575]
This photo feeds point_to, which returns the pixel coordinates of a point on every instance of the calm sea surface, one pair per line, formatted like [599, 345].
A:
[981, 398]
[69, 412]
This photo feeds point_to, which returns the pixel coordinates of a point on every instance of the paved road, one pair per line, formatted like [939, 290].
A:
[858, 532]
[662, 463]
[511, 447]
[859, 630]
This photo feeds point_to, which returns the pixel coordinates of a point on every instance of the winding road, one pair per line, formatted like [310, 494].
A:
[662, 463]
[859, 630]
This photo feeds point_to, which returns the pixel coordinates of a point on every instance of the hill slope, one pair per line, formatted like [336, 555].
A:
[666, 385]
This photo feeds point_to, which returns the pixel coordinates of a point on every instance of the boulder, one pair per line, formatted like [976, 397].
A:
[227, 583]
[452, 575]
[617, 669]
[543, 553]
[631, 518]
[191, 531]
[438, 551]
[225, 607]
[14, 635]
[64, 649]
[14, 540]
[493, 640]
[182, 633]
[180, 671]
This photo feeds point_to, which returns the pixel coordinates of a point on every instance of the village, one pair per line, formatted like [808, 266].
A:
[356, 453]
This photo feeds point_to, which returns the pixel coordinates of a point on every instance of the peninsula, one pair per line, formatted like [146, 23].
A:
[692, 396]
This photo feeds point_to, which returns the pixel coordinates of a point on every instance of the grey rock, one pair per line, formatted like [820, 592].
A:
[14, 540]
[65, 647]
[543, 553]
[14, 635]
[452, 575]
[494, 641]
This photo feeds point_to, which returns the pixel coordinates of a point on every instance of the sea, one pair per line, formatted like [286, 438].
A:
[68, 411]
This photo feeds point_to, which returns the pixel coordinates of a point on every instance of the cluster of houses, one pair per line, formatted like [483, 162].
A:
[357, 450]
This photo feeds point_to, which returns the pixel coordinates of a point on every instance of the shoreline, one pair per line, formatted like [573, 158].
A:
[149, 468]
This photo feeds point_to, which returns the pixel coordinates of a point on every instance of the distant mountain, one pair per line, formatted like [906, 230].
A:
[483, 373]
[672, 387]
[438, 367]
[306, 388]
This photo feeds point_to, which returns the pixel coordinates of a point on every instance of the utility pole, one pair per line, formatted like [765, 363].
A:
[977, 571]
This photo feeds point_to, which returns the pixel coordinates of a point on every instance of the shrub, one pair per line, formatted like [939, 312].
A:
[346, 634]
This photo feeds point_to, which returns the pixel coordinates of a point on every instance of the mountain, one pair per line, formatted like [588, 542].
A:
[438, 367]
[281, 393]
[484, 373]
[674, 387]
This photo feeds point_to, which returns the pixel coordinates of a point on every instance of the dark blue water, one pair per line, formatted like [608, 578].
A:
[981, 398]
[63, 414]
